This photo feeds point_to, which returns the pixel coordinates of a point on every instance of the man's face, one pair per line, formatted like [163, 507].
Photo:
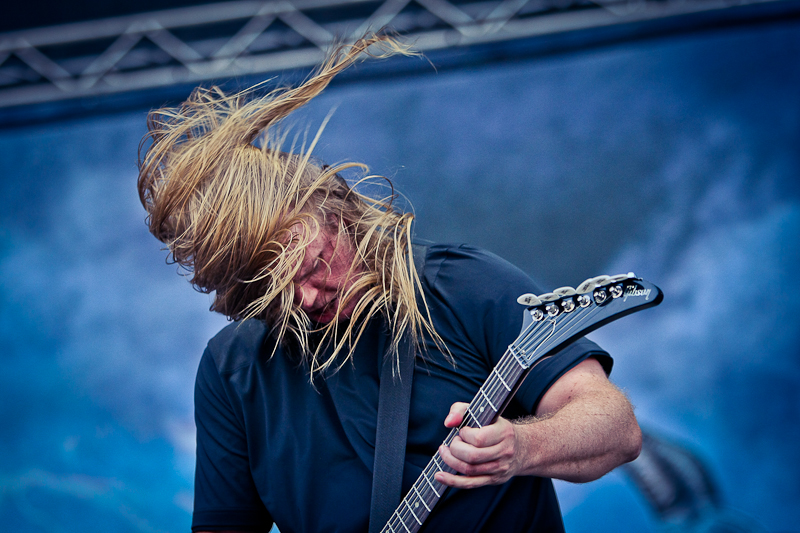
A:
[322, 278]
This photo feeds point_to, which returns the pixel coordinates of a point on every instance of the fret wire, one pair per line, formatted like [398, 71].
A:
[409, 500]
[486, 415]
[475, 418]
[403, 523]
[412, 512]
[505, 367]
[476, 406]
[508, 362]
[441, 467]
[421, 498]
[432, 466]
[431, 499]
[501, 379]
[512, 372]
[432, 487]
[404, 517]
[498, 396]
[488, 400]
[508, 365]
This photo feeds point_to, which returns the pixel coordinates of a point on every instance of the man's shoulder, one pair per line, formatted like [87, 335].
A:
[461, 263]
[238, 344]
[459, 251]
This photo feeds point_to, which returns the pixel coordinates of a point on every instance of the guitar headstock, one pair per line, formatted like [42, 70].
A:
[567, 313]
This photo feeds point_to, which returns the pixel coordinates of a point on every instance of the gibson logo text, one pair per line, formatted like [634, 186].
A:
[633, 291]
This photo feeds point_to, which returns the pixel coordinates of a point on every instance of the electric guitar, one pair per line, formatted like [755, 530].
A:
[551, 321]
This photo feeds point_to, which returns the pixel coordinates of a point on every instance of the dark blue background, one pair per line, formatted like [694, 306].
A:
[673, 157]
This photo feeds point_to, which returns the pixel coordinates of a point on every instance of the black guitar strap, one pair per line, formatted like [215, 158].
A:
[394, 400]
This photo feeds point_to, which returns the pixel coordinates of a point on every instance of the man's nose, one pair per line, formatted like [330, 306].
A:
[305, 296]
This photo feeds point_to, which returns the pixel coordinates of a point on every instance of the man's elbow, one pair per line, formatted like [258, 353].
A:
[626, 451]
[627, 448]
[634, 445]
[629, 445]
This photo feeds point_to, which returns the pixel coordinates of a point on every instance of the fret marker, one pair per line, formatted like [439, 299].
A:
[412, 513]
[488, 401]
[416, 504]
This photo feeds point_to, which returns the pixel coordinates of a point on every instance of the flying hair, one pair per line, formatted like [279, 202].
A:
[237, 212]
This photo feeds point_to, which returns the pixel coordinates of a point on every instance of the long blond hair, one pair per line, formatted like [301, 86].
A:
[229, 210]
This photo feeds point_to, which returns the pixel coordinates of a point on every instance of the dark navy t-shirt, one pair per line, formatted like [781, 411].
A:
[271, 446]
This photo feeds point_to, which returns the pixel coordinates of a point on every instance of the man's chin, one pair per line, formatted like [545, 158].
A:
[322, 319]
[326, 315]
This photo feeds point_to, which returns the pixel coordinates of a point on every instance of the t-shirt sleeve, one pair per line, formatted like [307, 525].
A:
[225, 496]
[480, 291]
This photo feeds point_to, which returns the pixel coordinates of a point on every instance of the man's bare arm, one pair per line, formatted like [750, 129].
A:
[584, 427]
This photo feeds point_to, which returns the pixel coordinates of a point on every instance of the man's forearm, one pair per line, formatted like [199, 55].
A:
[585, 439]
[584, 428]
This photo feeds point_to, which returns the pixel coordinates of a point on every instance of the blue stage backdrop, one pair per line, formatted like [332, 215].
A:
[675, 158]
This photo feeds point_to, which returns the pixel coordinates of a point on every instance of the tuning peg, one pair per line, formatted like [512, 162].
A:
[529, 300]
[565, 291]
[549, 296]
[590, 284]
[586, 287]
[618, 278]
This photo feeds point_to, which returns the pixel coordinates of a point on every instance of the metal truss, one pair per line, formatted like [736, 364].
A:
[247, 37]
